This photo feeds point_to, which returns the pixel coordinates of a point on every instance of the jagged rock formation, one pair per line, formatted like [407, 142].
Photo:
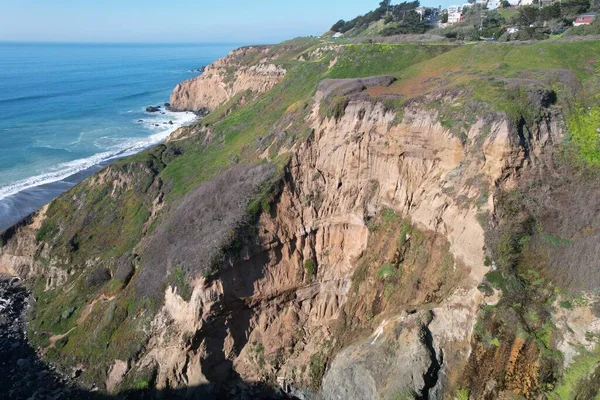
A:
[227, 77]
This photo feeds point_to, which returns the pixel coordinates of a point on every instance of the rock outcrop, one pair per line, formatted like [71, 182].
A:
[225, 78]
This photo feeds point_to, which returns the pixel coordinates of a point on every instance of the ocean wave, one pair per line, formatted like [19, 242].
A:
[127, 146]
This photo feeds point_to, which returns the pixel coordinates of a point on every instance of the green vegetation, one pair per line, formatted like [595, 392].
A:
[403, 394]
[462, 394]
[583, 127]
[372, 59]
[576, 378]
[178, 280]
[387, 271]
[318, 362]
[335, 108]
[310, 268]
[397, 19]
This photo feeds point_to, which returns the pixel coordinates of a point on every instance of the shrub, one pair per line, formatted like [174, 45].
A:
[566, 304]
[387, 271]
[205, 226]
[317, 370]
[462, 394]
[46, 231]
[99, 275]
[338, 108]
[309, 267]
[496, 279]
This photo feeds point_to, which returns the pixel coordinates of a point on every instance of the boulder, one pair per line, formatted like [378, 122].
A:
[152, 109]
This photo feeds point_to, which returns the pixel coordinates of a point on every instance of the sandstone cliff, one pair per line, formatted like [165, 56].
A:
[227, 77]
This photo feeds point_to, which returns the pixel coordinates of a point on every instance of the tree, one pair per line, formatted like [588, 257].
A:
[399, 11]
[528, 15]
[570, 9]
[505, 4]
[550, 12]
[444, 18]
[338, 25]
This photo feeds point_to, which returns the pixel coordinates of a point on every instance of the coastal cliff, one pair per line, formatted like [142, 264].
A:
[248, 68]
[349, 221]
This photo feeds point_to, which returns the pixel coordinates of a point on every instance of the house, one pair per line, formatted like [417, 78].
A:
[420, 11]
[526, 2]
[337, 35]
[454, 17]
[482, 2]
[585, 19]
[512, 29]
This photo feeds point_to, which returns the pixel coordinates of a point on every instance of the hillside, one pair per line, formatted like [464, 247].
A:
[473, 22]
[367, 220]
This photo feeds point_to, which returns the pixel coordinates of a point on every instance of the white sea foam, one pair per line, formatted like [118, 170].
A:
[120, 147]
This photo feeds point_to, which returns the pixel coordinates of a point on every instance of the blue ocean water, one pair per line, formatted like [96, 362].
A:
[67, 107]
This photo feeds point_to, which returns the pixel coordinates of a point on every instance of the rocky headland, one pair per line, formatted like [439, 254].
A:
[360, 220]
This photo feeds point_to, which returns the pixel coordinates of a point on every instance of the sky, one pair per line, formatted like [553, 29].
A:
[239, 21]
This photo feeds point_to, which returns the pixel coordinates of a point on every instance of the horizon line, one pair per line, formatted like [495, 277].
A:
[216, 42]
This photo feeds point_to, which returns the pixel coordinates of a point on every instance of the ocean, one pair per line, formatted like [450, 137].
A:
[68, 109]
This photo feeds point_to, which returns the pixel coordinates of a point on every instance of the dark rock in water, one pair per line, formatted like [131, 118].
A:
[199, 70]
[167, 105]
[140, 120]
[170, 122]
[152, 109]
[163, 113]
[156, 125]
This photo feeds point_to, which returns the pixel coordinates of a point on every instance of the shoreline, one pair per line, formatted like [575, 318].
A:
[18, 206]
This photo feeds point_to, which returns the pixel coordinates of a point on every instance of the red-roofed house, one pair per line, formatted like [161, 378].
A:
[584, 19]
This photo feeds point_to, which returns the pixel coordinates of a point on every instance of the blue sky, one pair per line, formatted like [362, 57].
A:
[173, 20]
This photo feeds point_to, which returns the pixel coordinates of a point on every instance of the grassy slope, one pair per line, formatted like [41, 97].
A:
[105, 228]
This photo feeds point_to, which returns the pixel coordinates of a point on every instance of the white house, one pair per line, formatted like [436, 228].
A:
[337, 35]
[512, 29]
[454, 17]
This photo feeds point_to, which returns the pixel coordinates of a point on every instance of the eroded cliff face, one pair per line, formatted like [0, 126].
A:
[288, 302]
[247, 68]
